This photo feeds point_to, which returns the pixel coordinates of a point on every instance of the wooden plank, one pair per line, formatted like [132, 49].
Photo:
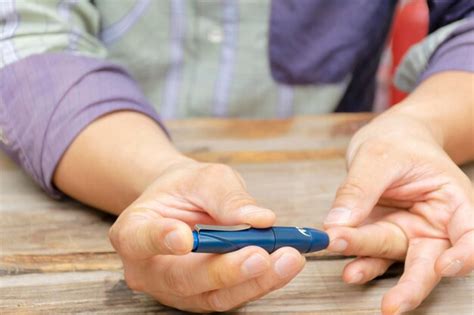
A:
[318, 289]
[46, 236]
[78, 292]
[26, 264]
[235, 157]
[62, 228]
[231, 135]
[299, 192]
[55, 256]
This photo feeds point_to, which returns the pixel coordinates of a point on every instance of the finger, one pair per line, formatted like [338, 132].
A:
[371, 172]
[141, 233]
[379, 213]
[381, 239]
[418, 279]
[286, 264]
[413, 225]
[364, 269]
[221, 191]
[173, 205]
[193, 274]
[459, 259]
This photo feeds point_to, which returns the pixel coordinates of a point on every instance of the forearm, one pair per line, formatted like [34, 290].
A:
[113, 160]
[444, 104]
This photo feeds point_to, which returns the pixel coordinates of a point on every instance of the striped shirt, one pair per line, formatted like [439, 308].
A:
[66, 62]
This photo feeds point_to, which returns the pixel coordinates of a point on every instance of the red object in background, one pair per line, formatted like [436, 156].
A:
[410, 26]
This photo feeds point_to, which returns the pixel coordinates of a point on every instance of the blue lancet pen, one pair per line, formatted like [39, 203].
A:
[225, 239]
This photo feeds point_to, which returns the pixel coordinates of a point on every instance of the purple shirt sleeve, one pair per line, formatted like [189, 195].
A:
[47, 99]
[455, 53]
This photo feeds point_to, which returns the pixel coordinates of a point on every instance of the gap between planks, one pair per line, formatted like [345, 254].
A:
[87, 261]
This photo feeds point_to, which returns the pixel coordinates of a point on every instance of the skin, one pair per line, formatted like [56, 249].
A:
[159, 195]
[405, 159]
[123, 163]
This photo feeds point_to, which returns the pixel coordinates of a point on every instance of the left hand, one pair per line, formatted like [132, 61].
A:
[395, 162]
[153, 237]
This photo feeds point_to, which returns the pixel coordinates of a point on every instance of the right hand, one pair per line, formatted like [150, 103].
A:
[396, 161]
[154, 240]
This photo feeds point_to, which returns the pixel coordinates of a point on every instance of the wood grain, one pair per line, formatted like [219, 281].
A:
[55, 256]
[318, 290]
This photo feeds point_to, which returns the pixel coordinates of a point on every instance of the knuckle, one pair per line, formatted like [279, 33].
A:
[261, 286]
[133, 282]
[220, 170]
[125, 244]
[384, 245]
[218, 303]
[211, 173]
[113, 236]
[391, 243]
[465, 181]
[239, 178]
[134, 285]
[236, 198]
[175, 281]
[358, 247]
[377, 148]
[117, 237]
[350, 188]
[385, 249]
[219, 275]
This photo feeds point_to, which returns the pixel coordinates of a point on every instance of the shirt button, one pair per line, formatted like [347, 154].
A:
[215, 36]
[3, 138]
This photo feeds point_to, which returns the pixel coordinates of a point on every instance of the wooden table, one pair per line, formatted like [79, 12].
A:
[55, 256]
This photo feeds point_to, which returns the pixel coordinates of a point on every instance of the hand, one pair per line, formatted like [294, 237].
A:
[394, 161]
[151, 233]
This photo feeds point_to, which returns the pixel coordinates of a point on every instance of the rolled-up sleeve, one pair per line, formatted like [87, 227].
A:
[47, 99]
[456, 53]
[449, 46]
[54, 81]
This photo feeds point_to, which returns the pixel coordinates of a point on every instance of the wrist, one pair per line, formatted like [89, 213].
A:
[153, 166]
[114, 159]
[426, 123]
[394, 127]
[443, 104]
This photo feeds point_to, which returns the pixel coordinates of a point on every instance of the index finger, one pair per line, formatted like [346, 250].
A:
[371, 172]
[141, 233]
[220, 190]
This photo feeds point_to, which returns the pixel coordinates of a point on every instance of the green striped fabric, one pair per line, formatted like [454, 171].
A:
[191, 58]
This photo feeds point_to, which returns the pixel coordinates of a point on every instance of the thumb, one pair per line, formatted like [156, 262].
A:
[371, 172]
[222, 193]
[143, 233]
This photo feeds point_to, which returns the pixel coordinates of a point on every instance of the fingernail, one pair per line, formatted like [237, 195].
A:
[254, 265]
[338, 216]
[356, 278]
[286, 265]
[173, 241]
[253, 211]
[338, 245]
[453, 268]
